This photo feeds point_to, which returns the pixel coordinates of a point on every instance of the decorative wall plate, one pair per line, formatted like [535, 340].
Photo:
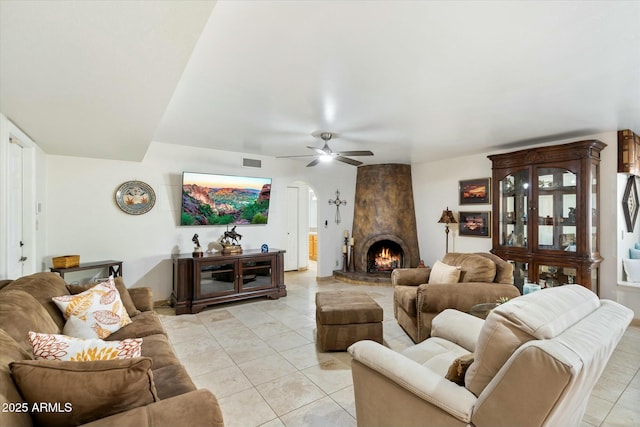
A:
[135, 197]
[630, 203]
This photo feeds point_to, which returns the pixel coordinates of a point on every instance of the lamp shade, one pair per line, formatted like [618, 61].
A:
[447, 217]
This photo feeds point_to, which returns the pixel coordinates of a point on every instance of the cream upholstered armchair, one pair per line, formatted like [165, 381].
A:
[474, 278]
[537, 359]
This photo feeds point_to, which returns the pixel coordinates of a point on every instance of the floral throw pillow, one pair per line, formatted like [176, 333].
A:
[95, 313]
[62, 347]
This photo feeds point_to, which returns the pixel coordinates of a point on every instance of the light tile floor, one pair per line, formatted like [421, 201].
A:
[259, 358]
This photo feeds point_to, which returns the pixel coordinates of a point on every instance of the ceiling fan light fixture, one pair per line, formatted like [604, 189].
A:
[326, 154]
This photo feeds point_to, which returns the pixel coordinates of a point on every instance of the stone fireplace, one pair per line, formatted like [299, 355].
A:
[384, 220]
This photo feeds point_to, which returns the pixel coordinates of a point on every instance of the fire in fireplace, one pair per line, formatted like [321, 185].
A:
[384, 256]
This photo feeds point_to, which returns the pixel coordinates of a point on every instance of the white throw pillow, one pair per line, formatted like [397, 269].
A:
[62, 347]
[95, 313]
[443, 273]
[632, 268]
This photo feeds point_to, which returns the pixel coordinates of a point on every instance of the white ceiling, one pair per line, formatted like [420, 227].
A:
[410, 80]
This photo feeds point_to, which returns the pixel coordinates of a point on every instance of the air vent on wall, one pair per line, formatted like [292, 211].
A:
[252, 163]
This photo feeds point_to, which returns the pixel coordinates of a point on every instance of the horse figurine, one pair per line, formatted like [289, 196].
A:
[232, 237]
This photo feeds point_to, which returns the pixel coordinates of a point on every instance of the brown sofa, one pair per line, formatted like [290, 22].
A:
[171, 398]
[484, 278]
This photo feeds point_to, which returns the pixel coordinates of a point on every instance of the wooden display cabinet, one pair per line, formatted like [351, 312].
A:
[217, 278]
[546, 213]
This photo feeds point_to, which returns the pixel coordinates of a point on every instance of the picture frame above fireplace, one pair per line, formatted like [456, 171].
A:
[475, 224]
[475, 191]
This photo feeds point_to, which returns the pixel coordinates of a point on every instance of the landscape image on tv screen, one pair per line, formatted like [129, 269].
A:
[209, 199]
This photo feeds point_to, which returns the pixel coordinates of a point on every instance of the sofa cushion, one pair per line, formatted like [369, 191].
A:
[475, 268]
[530, 317]
[172, 380]
[21, 313]
[5, 282]
[62, 347]
[444, 273]
[145, 324]
[157, 347]
[43, 287]
[84, 391]
[435, 353]
[95, 313]
[142, 298]
[504, 269]
[11, 351]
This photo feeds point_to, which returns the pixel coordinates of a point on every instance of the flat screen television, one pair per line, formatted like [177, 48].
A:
[209, 199]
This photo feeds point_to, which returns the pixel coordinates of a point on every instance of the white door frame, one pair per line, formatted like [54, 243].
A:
[10, 131]
[291, 228]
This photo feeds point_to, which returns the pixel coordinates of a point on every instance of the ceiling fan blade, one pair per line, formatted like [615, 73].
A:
[348, 160]
[291, 157]
[317, 150]
[355, 153]
[313, 162]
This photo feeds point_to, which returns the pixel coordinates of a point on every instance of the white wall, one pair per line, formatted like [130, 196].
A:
[84, 219]
[435, 186]
[81, 215]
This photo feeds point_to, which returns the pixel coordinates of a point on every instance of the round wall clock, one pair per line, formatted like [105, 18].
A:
[135, 197]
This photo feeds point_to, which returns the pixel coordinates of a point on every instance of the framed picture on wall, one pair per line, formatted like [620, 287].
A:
[475, 224]
[475, 191]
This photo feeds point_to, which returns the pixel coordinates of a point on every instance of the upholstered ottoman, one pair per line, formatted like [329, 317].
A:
[343, 318]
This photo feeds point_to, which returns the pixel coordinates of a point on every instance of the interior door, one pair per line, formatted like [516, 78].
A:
[292, 206]
[15, 215]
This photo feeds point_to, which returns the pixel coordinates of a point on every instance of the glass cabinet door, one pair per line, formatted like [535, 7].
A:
[556, 210]
[257, 274]
[214, 279]
[514, 190]
[550, 276]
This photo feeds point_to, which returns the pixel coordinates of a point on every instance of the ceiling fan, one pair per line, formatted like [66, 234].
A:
[325, 153]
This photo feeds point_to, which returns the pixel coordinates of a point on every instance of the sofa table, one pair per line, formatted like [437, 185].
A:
[115, 267]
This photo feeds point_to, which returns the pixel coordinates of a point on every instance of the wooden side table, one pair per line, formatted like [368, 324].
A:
[115, 267]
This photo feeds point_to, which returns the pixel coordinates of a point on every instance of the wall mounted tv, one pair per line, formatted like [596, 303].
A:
[209, 199]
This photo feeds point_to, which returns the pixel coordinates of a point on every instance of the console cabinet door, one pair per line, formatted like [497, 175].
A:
[214, 278]
[257, 273]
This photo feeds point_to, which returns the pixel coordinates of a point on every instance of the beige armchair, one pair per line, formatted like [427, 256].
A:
[484, 278]
[537, 359]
